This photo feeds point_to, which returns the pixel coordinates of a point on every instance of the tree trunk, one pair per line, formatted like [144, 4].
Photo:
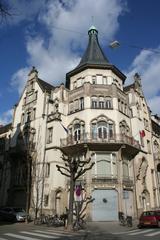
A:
[28, 187]
[71, 200]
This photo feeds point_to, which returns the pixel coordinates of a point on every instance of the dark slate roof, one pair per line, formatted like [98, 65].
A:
[93, 58]
[93, 53]
[5, 128]
[45, 86]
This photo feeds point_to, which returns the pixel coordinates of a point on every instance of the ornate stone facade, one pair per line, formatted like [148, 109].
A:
[95, 111]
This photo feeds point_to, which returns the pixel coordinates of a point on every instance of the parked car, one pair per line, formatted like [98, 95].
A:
[13, 214]
[149, 218]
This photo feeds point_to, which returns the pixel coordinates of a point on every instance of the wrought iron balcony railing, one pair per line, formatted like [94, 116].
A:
[108, 178]
[90, 138]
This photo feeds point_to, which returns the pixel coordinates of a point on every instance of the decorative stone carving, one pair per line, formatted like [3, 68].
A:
[54, 116]
[142, 169]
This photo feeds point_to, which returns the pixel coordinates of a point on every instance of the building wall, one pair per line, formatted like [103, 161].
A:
[53, 121]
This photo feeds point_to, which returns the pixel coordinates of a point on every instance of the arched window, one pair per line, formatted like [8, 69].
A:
[101, 102]
[94, 102]
[77, 132]
[108, 103]
[102, 129]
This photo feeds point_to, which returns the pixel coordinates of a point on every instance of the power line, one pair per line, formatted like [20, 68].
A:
[103, 35]
[117, 44]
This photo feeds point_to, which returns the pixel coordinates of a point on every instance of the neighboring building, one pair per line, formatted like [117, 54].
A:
[96, 116]
[4, 163]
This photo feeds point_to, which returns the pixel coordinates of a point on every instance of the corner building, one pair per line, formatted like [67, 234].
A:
[93, 115]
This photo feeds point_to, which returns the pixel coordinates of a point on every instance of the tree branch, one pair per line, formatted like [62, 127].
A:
[87, 200]
[82, 171]
[59, 169]
[4, 11]
[66, 169]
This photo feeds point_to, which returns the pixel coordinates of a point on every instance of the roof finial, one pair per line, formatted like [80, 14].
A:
[92, 20]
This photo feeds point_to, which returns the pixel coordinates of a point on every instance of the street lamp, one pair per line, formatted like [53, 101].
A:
[114, 44]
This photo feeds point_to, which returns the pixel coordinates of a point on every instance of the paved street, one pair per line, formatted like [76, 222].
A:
[32, 232]
[113, 231]
[94, 231]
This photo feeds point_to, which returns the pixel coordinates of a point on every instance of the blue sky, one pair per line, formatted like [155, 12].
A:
[52, 35]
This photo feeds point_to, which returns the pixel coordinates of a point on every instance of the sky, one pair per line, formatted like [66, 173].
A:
[53, 34]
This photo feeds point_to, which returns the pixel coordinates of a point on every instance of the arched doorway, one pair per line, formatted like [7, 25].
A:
[145, 200]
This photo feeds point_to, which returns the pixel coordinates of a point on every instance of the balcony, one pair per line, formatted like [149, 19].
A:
[54, 116]
[113, 143]
[100, 178]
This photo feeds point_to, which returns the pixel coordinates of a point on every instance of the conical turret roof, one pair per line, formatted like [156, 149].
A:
[93, 53]
[93, 58]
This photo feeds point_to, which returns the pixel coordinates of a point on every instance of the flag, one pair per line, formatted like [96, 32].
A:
[78, 190]
[66, 130]
[142, 133]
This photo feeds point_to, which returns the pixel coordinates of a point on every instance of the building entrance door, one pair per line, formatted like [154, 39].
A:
[105, 205]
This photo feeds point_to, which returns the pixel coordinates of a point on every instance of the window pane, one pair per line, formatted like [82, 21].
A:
[94, 131]
[103, 164]
[110, 126]
[125, 169]
[101, 168]
[100, 132]
[104, 132]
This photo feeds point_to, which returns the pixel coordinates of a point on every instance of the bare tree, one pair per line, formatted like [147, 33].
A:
[4, 11]
[37, 177]
[73, 168]
[83, 206]
[37, 185]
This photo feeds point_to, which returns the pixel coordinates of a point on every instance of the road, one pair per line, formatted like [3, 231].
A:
[94, 231]
[113, 231]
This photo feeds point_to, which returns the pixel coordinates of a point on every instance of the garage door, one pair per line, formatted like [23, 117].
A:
[105, 205]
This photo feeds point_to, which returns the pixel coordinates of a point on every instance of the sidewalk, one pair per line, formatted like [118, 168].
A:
[110, 226]
[97, 226]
